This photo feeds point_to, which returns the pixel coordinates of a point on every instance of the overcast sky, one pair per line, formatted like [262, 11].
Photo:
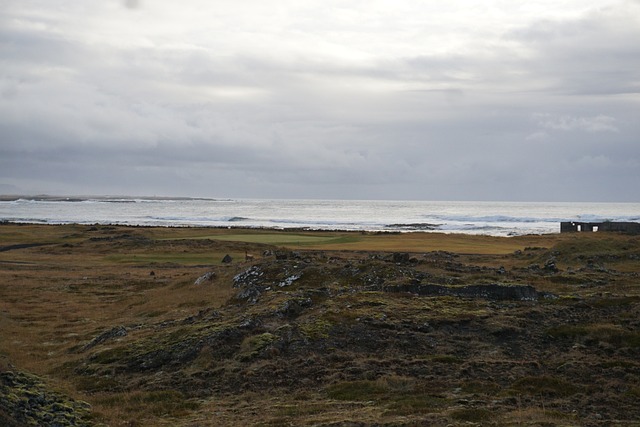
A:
[407, 99]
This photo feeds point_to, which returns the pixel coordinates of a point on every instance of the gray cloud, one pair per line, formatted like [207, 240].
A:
[320, 101]
[132, 4]
[593, 55]
[598, 123]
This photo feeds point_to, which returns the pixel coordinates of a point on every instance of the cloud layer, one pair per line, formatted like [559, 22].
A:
[502, 100]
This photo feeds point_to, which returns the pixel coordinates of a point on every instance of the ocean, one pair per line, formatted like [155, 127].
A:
[486, 218]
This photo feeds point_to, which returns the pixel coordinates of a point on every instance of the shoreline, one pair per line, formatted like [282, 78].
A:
[84, 198]
[242, 227]
[491, 219]
[407, 228]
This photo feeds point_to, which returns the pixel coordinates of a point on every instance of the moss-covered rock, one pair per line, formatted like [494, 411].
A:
[25, 400]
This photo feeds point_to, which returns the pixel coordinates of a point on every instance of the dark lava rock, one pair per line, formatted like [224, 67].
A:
[550, 265]
[294, 307]
[401, 258]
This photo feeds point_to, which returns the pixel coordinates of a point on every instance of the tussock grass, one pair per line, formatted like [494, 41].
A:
[292, 239]
[356, 390]
[472, 415]
[445, 358]
[142, 406]
[397, 395]
[179, 259]
[592, 334]
[55, 299]
[537, 416]
[545, 386]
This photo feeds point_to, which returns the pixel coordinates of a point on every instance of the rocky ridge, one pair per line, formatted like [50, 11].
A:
[343, 325]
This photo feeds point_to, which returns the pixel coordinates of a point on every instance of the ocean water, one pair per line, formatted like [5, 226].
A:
[487, 218]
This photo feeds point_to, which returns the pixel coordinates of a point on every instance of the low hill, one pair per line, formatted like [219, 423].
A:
[147, 327]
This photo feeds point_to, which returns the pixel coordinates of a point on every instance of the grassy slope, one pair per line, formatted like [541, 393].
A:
[85, 280]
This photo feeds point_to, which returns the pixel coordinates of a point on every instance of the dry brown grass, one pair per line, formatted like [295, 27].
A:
[84, 280]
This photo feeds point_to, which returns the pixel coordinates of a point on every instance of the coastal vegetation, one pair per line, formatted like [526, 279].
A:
[147, 326]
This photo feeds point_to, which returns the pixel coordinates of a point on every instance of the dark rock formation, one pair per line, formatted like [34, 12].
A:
[227, 259]
[249, 283]
[26, 401]
[118, 331]
[401, 258]
[293, 308]
[550, 265]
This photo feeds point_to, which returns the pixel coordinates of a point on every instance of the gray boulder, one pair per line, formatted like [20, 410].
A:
[207, 277]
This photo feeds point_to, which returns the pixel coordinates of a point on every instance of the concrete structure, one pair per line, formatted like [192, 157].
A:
[622, 227]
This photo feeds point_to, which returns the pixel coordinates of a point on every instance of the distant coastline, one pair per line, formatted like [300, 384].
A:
[481, 218]
[52, 198]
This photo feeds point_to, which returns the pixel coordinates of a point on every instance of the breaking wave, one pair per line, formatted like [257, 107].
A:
[494, 218]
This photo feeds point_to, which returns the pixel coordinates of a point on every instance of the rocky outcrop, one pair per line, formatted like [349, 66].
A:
[26, 401]
[394, 324]
[207, 277]
[250, 284]
[118, 331]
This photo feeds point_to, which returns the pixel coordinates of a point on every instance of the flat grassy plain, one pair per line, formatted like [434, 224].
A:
[317, 328]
